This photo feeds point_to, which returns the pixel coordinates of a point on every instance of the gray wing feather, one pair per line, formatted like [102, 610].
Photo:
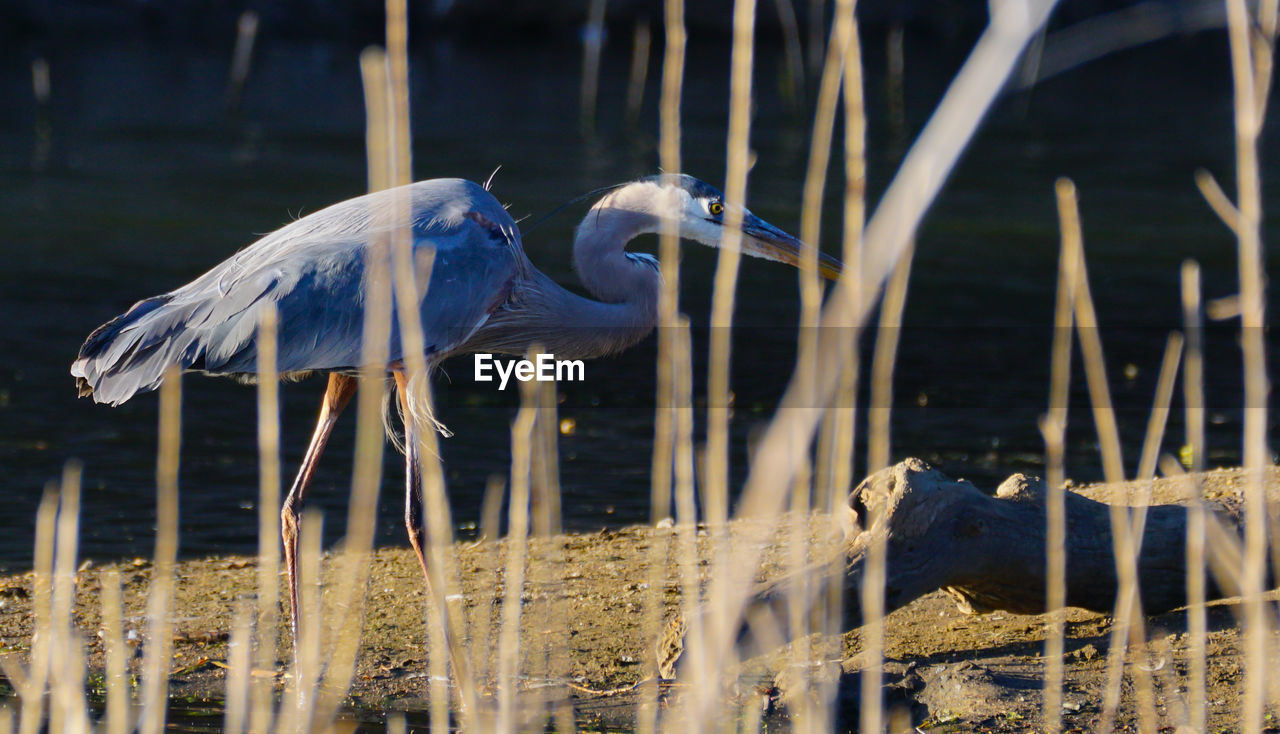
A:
[312, 270]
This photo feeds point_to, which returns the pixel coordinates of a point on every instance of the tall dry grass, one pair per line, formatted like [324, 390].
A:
[669, 362]
[1251, 40]
[1193, 401]
[805, 461]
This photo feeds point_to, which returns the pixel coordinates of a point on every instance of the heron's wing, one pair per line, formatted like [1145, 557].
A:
[313, 272]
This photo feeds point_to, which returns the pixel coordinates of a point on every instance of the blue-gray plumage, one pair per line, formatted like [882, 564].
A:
[483, 295]
[313, 271]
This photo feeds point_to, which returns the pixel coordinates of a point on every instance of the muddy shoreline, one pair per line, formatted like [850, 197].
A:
[584, 604]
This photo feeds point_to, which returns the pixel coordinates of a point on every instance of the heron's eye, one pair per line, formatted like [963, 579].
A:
[716, 208]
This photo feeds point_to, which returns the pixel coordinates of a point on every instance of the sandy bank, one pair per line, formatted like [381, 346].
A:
[584, 602]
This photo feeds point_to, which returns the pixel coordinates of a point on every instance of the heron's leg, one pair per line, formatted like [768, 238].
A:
[336, 397]
[417, 531]
[413, 478]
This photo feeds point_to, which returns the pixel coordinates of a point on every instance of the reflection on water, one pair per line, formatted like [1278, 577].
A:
[135, 179]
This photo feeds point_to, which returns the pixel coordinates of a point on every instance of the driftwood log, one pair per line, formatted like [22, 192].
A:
[988, 551]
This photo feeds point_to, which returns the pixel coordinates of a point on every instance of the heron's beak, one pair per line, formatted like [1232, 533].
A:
[763, 240]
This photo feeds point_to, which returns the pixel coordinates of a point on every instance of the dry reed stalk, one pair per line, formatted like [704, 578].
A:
[545, 497]
[669, 254]
[482, 621]
[1109, 443]
[715, 487]
[1193, 398]
[844, 409]
[668, 311]
[547, 524]
[367, 462]
[400, 151]
[660, 502]
[660, 495]
[1146, 475]
[30, 683]
[913, 189]
[640, 42]
[855, 147]
[839, 425]
[888, 332]
[841, 471]
[155, 676]
[592, 43]
[517, 549]
[1217, 200]
[116, 715]
[697, 666]
[828, 451]
[1054, 426]
[444, 628]
[377, 110]
[1095, 368]
[800, 678]
[306, 715]
[386, 78]
[855, 215]
[653, 611]
[267, 624]
[62, 600]
[837, 467]
[1156, 425]
[872, 593]
[1224, 552]
[549, 661]
[1128, 604]
[68, 709]
[1263, 53]
[411, 275]
[1128, 618]
[1132, 543]
[240, 653]
[878, 451]
[1250, 60]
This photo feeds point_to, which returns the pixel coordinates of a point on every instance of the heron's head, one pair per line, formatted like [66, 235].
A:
[700, 212]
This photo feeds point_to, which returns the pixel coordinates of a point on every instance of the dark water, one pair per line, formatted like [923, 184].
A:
[135, 179]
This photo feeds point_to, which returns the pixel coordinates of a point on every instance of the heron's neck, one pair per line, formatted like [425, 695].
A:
[605, 268]
[626, 286]
[569, 325]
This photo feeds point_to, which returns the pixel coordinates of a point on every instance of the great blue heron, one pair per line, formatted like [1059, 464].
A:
[483, 295]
